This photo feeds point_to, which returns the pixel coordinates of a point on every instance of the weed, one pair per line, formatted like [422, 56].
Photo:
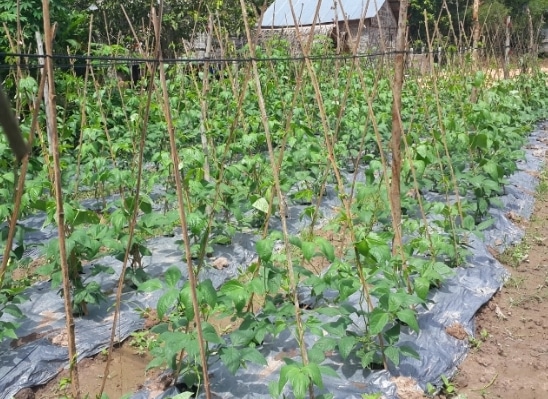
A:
[142, 341]
[542, 187]
[516, 254]
[475, 343]
[448, 389]
[372, 396]
[515, 282]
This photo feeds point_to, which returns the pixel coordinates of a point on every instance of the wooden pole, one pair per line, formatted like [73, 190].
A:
[475, 32]
[507, 49]
[54, 146]
[397, 128]
[531, 48]
[192, 278]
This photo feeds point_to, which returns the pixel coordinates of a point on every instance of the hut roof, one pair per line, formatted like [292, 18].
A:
[279, 14]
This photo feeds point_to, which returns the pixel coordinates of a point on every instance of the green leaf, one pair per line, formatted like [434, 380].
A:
[151, 285]
[377, 321]
[185, 296]
[285, 371]
[408, 317]
[409, 352]
[184, 395]
[264, 249]
[261, 205]
[469, 223]
[314, 374]
[346, 344]
[326, 343]
[118, 219]
[145, 206]
[274, 389]
[300, 381]
[485, 224]
[329, 311]
[393, 353]
[210, 334]
[172, 276]
[479, 141]
[336, 328]
[316, 355]
[166, 302]
[492, 169]
[422, 287]
[326, 248]
[420, 167]
[326, 370]
[13, 310]
[207, 293]
[253, 355]
[237, 292]
[155, 363]
[8, 332]
[294, 240]
[231, 358]
[309, 249]
[423, 150]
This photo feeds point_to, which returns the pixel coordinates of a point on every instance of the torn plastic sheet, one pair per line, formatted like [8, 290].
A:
[41, 351]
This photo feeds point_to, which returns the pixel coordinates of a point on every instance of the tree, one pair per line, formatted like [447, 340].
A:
[23, 18]
[182, 19]
[71, 24]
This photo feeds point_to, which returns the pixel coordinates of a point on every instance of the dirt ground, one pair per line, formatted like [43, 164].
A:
[126, 375]
[509, 355]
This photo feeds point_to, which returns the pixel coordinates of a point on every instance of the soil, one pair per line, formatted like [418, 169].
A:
[509, 354]
[126, 375]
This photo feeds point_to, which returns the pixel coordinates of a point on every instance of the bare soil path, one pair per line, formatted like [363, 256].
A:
[509, 354]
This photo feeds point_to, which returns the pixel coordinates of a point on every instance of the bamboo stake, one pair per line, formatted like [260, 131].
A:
[203, 102]
[277, 187]
[475, 32]
[73, 366]
[157, 21]
[397, 129]
[506, 67]
[331, 158]
[83, 113]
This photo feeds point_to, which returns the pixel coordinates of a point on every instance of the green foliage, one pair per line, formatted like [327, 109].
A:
[465, 149]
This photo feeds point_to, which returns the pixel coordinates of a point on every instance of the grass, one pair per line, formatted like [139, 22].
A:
[515, 282]
[542, 188]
